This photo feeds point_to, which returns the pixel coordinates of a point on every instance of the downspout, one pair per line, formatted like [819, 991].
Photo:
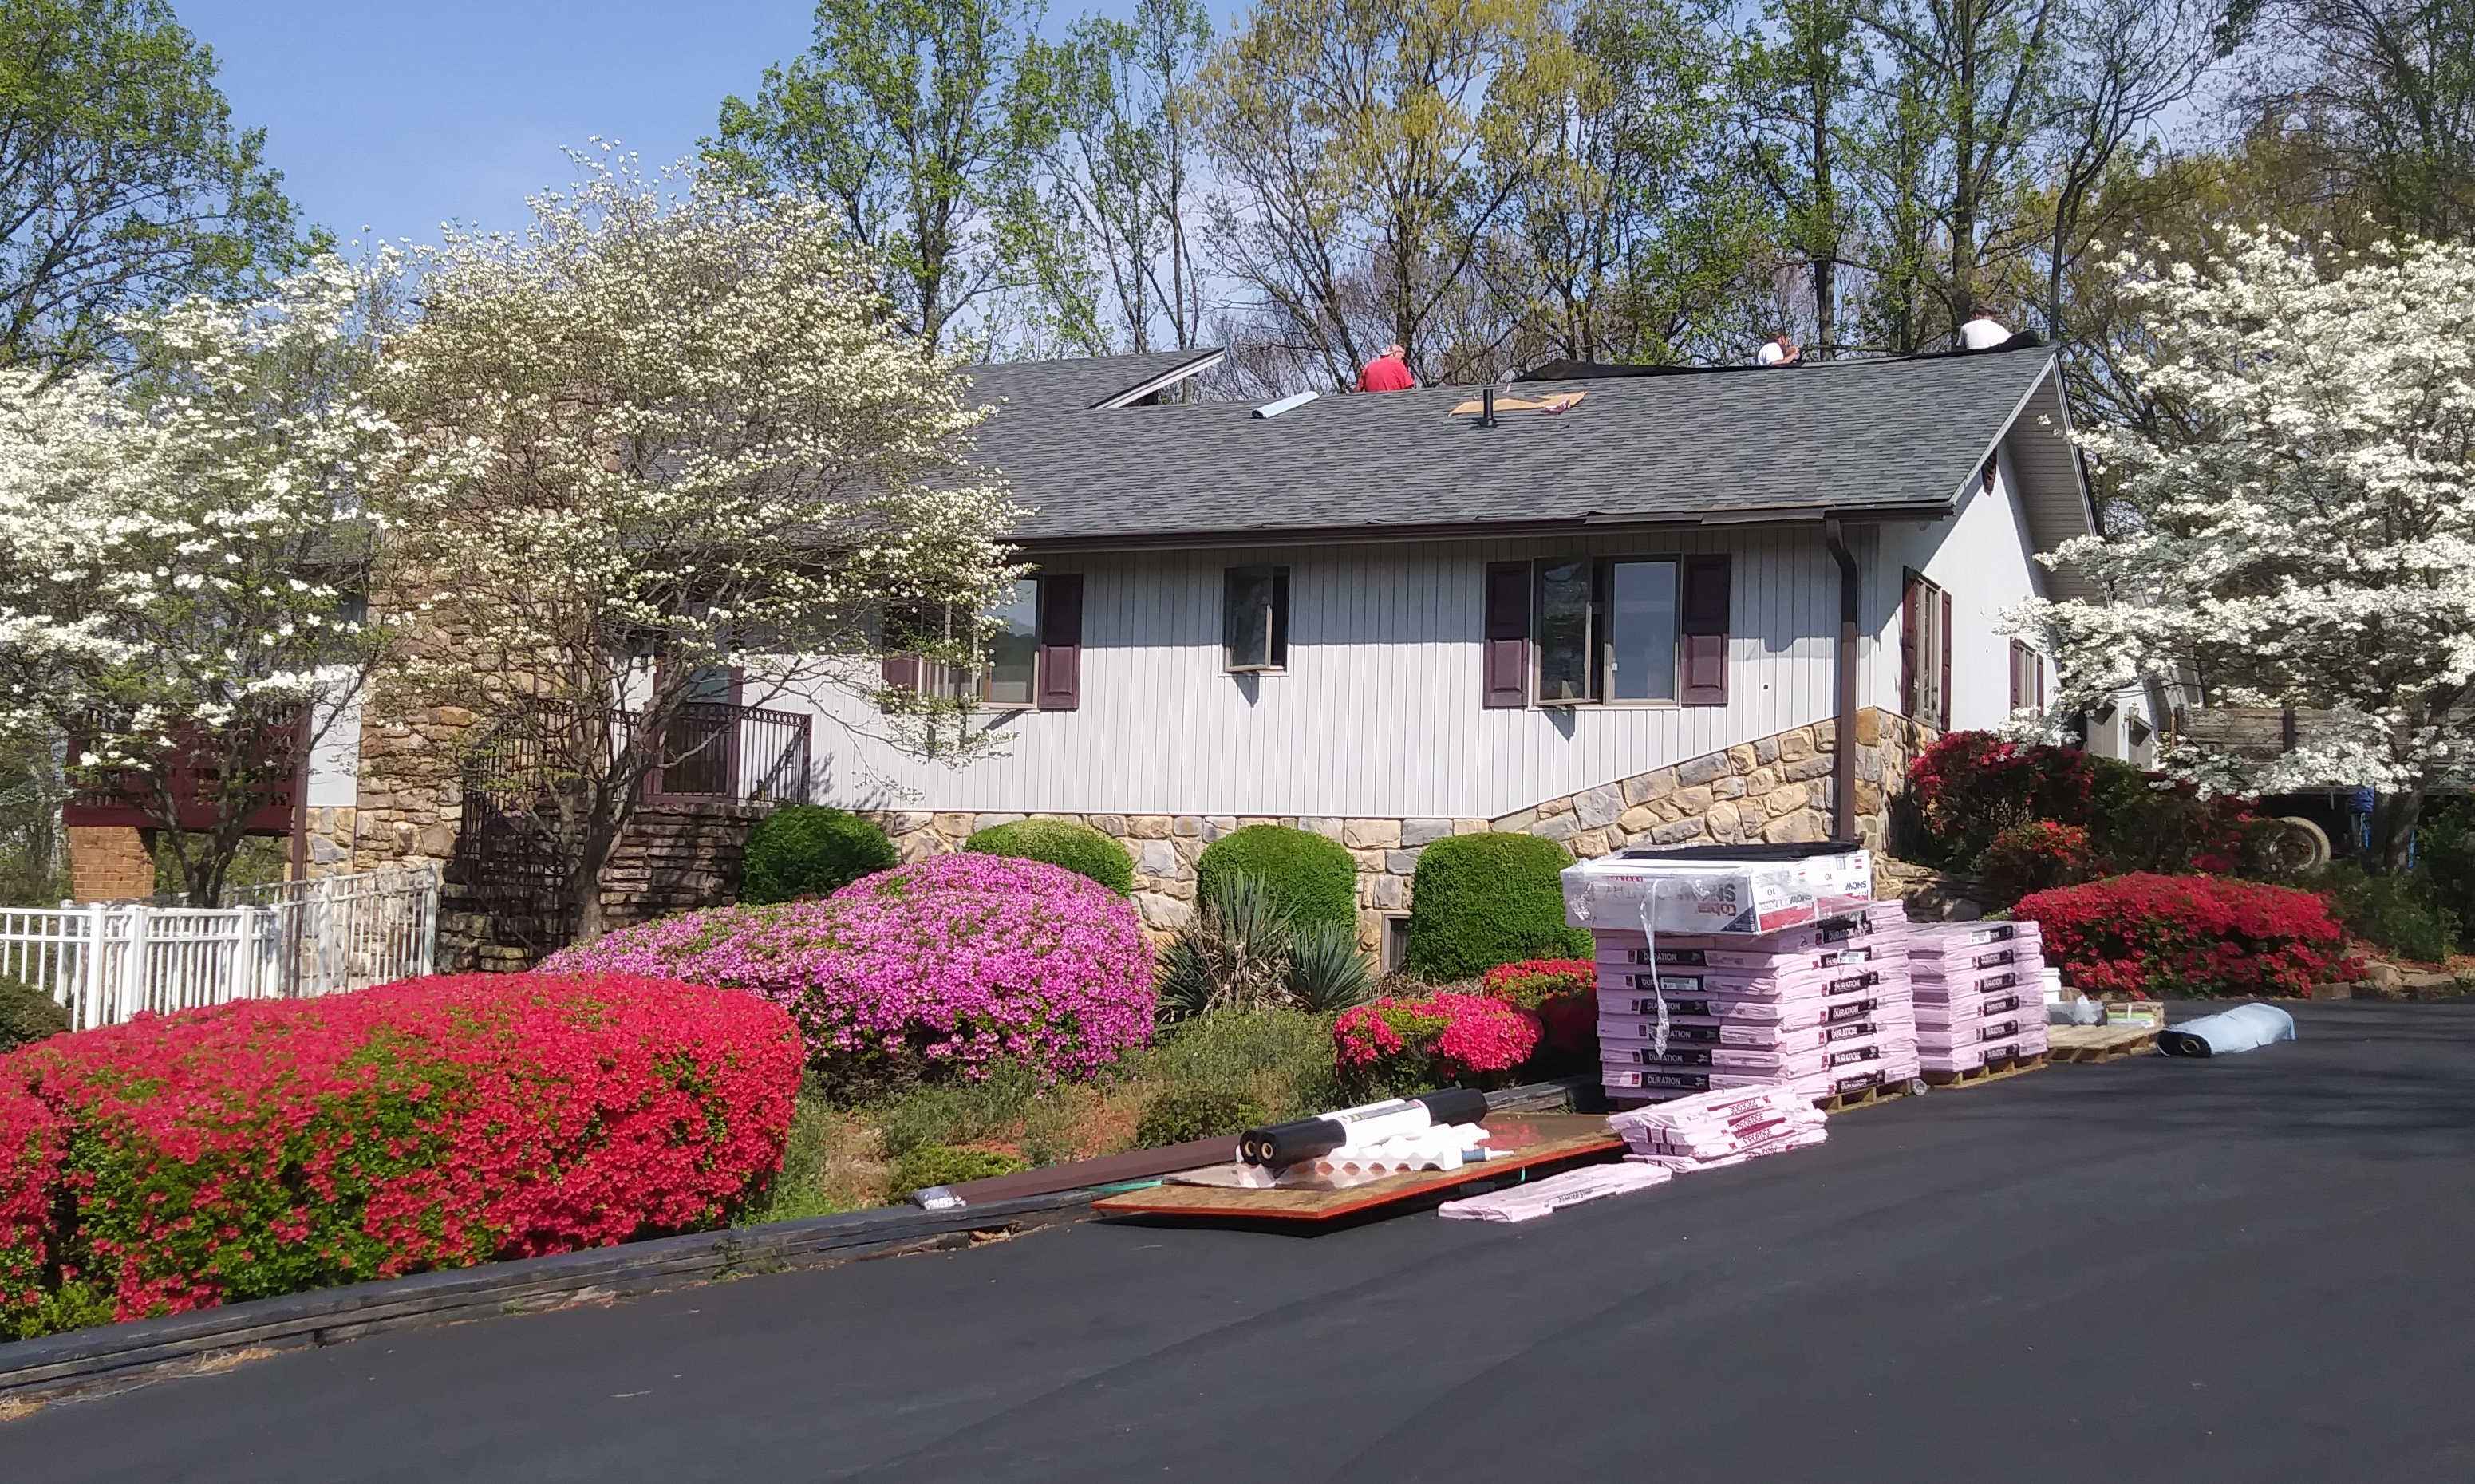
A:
[1843, 776]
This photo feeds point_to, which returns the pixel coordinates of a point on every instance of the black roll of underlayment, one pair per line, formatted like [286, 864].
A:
[1307, 1138]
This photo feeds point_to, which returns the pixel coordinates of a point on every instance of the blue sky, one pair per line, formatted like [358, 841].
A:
[396, 118]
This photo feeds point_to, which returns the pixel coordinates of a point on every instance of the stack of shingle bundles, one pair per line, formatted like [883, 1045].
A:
[1978, 993]
[1821, 1008]
[1714, 1128]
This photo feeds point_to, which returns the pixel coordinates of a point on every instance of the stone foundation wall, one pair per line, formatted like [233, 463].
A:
[1774, 789]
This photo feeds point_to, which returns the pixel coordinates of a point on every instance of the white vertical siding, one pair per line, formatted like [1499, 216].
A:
[1984, 559]
[1378, 712]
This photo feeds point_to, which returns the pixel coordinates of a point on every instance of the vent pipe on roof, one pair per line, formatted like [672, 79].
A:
[1273, 409]
[1486, 405]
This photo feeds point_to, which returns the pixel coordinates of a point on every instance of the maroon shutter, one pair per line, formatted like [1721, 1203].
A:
[1702, 629]
[900, 671]
[1943, 720]
[2038, 663]
[1505, 662]
[2015, 675]
[1061, 642]
[1910, 628]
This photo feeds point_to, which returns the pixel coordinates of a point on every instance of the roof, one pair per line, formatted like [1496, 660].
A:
[1086, 384]
[1856, 438]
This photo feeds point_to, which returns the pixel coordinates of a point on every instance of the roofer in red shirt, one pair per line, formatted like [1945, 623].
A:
[1389, 371]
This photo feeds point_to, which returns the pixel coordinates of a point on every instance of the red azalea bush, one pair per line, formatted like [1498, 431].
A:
[30, 1177]
[1396, 1046]
[1562, 992]
[2153, 936]
[936, 970]
[272, 1146]
[2034, 856]
[1969, 787]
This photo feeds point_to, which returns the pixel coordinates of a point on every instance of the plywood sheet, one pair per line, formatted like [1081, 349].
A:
[1530, 1138]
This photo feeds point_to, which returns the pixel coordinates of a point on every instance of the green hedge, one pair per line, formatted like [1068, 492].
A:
[1480, 900]
[1310, 877]
[809, 850]
[943, 1164]
[1078, 848]
[1177, 1115]
[28, 1015]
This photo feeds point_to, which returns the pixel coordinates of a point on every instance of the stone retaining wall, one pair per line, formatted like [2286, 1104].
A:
[1774, 789]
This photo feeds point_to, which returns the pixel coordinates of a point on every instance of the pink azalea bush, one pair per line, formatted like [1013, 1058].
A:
[1398, 1046]
[934, 971]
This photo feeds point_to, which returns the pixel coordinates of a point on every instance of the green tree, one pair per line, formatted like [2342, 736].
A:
[123, 184]
[1635, 229]
[1799, 71]
[1352, 144]
[902, 116]
[1112, 107]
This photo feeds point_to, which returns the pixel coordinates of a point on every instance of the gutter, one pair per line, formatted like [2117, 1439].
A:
[1843, 773]
[1598, 523]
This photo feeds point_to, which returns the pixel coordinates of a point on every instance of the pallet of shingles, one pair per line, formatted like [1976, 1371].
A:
[1978, 993]
[1821, 1008]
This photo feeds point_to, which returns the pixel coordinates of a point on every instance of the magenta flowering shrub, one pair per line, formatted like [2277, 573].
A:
[932, 970]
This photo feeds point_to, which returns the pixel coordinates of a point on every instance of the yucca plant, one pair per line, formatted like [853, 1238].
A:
[1327, 973]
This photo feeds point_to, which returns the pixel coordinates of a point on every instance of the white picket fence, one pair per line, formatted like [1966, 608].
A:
[111, 962]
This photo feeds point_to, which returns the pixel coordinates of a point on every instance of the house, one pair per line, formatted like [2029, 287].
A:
[1622, 608]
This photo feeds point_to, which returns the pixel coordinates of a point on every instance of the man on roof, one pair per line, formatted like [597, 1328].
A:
[1389, 371]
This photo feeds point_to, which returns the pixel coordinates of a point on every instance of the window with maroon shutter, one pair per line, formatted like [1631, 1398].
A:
[1061, 642]
[1702, 642]
[1924, 653]
[1506, 659]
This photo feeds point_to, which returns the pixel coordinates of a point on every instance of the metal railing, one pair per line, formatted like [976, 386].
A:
[110, 962]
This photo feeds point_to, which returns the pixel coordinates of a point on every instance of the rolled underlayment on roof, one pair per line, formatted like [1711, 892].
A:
[2244, 1027]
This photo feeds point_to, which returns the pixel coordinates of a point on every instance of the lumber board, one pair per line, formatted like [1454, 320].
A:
[1990, 1072]
[1531, 1140]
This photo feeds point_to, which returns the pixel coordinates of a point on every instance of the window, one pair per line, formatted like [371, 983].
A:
[1607, 631]
[1255, 618]
[2027, 678]
[1924, 653]
[1030, 656]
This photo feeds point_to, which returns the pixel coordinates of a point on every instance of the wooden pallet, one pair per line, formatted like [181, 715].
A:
[1532, 1140]
[1991, 1072]
[1867, 1097]
[2099, 1043]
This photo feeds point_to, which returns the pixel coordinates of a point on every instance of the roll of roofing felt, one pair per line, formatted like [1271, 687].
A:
[1306, 1138]
[2244, 1027]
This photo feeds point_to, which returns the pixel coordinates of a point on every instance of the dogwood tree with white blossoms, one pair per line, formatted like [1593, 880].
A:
[2307, 538]
[183, 555]
[672, 445]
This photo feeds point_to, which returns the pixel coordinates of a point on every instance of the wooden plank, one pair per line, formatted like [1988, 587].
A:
[2099, 1043]
[1990, 1072]
[1532, 1139]
[1863, 1097]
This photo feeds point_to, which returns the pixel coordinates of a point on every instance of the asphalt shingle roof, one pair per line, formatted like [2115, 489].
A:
[1846, 435]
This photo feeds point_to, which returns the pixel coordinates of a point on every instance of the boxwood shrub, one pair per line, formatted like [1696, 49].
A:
[1312, 877]
[810, 850]
[1077, 847]
[271, 1146]
[1480, 900]
[28, 1015]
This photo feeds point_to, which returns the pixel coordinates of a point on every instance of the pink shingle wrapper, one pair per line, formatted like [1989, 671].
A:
[1943, 1041]
[1976, 1007]
[1969, 1058]
[1984, 981]
[1698, 984]
[1879, 919]
[1629, 1032]
[1802, 1009]
[1933, 939]
[1746, 1061]
[1747, 960]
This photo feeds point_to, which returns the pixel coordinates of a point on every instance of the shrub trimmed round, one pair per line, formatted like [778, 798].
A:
[271, 1146]
[810, 850]
[935, 970]
[28, 1015]
[2159, 936]
[1078, 848]
[1310, 875]
[1482, 900]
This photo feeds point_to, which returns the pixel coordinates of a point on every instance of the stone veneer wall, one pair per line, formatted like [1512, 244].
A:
[1774, 789]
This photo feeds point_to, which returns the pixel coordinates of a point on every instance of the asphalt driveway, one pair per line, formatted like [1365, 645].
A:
[2252, 1269]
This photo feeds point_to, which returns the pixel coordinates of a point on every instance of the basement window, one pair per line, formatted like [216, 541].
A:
[1255, 618]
